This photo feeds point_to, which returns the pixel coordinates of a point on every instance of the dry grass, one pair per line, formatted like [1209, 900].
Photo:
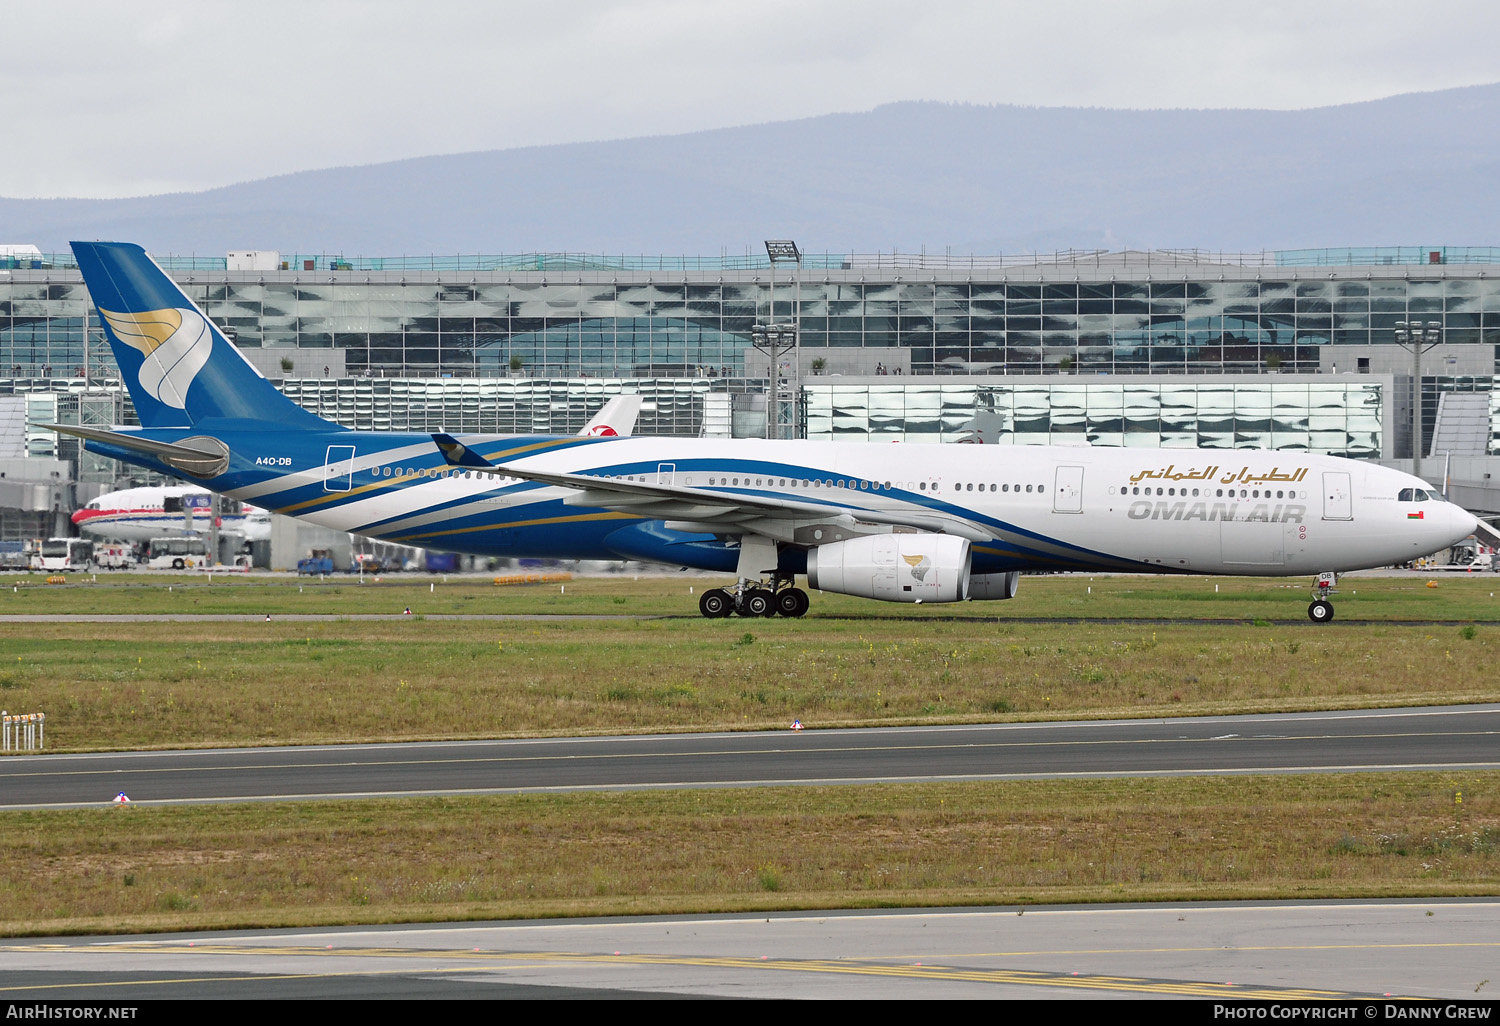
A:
[951, 844]
[236, 683]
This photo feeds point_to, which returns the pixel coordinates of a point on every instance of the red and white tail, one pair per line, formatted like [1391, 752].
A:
[615, 420]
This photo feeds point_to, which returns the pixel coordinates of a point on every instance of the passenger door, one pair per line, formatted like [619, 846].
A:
[1067, 490]
[338, 469]
[1338, 502]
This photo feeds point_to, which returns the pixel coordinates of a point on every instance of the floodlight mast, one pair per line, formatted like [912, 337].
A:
[775, 340]
[1419, 339]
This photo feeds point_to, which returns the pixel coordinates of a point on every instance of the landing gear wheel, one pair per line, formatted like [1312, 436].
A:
[715, 603]
[757, 602]
[1320, 611]
[791, 602]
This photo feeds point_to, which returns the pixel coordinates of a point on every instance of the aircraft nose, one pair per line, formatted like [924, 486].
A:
[1462, 522]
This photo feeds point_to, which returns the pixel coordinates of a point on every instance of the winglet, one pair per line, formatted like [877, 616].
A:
[457, 454]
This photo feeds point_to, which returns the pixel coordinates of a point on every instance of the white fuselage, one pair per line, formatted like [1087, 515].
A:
[141, 514]
[1224, 511]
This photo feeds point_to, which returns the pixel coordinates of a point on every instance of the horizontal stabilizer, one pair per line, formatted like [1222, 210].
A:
[200, 456]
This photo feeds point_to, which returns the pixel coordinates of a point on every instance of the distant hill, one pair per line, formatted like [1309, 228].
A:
[1418, 169]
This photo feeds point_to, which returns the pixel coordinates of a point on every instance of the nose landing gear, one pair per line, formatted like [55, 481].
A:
[1321, 610]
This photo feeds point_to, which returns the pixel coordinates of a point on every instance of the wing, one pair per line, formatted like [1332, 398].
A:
[729, 511]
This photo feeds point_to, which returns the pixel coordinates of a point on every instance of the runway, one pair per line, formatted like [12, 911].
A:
[1451, 737]
[1066, 621]
[1279, 951]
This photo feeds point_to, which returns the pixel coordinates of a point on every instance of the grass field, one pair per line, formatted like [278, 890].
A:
[214, 682]
[1456, 597]
[140, 869]
[211, 682]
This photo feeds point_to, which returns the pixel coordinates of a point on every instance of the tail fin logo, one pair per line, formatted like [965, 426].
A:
[176, 344]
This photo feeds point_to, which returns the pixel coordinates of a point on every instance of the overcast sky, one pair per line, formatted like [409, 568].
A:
[111, 99]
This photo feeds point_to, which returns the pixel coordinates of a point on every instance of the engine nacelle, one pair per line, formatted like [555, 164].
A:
[893, 567]
[994, 586]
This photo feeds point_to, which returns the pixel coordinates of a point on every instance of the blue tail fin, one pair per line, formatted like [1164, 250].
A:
[179, 368]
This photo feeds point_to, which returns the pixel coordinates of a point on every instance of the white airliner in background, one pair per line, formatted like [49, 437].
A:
[166, 511]
[902, 523]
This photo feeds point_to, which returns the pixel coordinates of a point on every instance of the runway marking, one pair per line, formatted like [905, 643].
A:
[257, 977]
[739, 752]
[543, 959]
[841, 916]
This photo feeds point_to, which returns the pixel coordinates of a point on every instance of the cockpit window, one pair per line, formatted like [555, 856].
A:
[1414, 495]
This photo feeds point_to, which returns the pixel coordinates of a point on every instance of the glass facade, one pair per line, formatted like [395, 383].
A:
[684, 407]
[1337, 417]
[1087, 318]
[641, 329]
[1084, 347]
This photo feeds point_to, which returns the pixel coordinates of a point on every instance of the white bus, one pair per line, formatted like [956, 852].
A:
[177, 554]
[56, 554]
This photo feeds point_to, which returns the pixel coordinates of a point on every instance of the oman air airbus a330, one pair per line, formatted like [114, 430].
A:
[900, 523]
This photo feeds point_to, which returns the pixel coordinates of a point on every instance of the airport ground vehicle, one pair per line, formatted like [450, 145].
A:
[15, 555]
[59, 554]
[176, 554]
[440, 562]
[902, 523]
[113, 556]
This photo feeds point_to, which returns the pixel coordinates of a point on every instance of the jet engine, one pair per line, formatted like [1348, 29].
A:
[893, 567]
[994, 586]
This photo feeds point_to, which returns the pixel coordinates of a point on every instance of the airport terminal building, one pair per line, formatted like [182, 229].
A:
[1309, 349]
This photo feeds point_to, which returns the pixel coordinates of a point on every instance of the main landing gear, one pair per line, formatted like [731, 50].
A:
[753, 598]
[1321, 610]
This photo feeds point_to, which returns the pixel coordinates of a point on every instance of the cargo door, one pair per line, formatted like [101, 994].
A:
[1253, 542]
